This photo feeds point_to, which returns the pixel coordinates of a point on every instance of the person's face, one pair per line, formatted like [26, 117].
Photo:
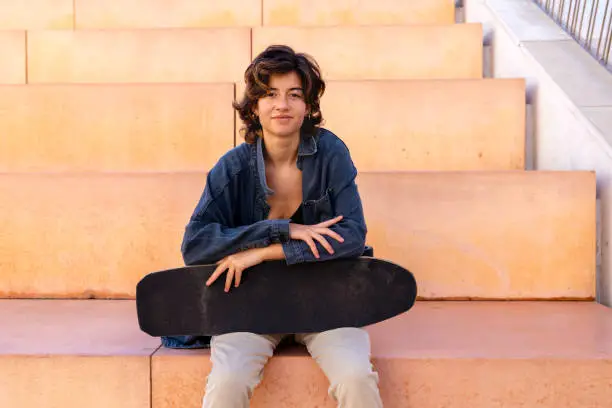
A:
[281, 112]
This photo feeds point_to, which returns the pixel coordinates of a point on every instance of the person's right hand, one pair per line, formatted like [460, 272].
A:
[310, 233]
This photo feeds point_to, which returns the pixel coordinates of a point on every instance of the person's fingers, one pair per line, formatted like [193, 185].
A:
[229, 277]
[312, 246]
[327, 231]
[218, 271]
[238, 276]
[323, 242]
[329, 223]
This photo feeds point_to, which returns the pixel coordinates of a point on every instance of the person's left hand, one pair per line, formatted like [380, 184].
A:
[234, 265]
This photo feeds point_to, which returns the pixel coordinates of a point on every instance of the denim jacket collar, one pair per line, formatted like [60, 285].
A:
[308, 144]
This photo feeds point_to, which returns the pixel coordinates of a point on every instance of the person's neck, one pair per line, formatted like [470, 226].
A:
[281, 151]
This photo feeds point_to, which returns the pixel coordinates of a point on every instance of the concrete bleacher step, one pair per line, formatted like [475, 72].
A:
[485, 235]
[405, 125]
[466, 235]
[440, 354]
[12, 57]
[176, 127]
[185, 55]
[139, 55]
[73, 354]
[426, 124]
[416, 52]
[167, 14]
[36, 14]
[357, 12]
[249, 13]
[466, 124]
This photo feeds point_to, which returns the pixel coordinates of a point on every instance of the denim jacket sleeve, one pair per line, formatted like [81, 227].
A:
[211, 233]
[347, 202]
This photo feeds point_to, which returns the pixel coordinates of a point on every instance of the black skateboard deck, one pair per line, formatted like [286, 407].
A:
[274, 298]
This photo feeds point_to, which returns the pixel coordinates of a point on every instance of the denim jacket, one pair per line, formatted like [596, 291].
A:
[231, 215]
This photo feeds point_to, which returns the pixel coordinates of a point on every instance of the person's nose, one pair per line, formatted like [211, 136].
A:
[282, 103]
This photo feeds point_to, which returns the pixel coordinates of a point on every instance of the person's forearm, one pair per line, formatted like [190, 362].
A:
[206, 242]
[273, 252]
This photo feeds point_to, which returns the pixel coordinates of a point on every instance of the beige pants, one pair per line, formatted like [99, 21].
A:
[343, 354]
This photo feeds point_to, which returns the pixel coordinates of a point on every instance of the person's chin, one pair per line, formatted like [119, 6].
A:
[285, 131]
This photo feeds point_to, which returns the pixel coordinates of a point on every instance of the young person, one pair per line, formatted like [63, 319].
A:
[287, 193]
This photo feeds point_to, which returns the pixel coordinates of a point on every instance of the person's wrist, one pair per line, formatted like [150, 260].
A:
[272, 252]
[262, 253]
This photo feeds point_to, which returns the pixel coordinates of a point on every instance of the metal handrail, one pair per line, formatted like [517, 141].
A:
[589, 22]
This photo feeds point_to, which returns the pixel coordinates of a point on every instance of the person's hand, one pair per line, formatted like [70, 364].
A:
[234, 265]
[310, 233]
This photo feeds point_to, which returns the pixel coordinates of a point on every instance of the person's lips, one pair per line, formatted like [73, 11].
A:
[281, 117]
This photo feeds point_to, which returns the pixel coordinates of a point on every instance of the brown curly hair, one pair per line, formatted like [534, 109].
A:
[280, 59]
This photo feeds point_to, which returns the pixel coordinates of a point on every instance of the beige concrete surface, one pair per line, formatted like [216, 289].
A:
[115, 127]
[36, 14]
[137, 56]
[73, 353]
[13, 57]
[88, 235]
[341, 50]
[516, 235]
[491, 235]
[459, 354]
[357, 12]
[164, 14]
[429, 124]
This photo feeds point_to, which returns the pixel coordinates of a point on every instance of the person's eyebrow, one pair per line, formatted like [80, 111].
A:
[290, 89]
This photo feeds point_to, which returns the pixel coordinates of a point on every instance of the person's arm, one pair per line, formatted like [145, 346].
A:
[211, 234]
[347, 202]
[273, 252]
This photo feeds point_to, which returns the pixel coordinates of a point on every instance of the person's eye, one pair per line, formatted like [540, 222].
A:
[296, 95]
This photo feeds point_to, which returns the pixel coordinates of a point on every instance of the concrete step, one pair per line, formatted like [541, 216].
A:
[430, 124]
[166, 14]
[13, 57]
[416, 52]
[439, 354]
[115, 127]
[36, 14]
[413, 125]
[137, 56]
[357, 12]
[184, 55]
[433, 124]
[500, 235]
[73, 354]
[491, 235]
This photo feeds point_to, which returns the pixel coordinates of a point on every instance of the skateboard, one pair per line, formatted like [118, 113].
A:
[274, 298]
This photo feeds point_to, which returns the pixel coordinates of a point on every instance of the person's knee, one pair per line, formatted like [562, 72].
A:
[356, 380]
[225, 388]
[358, 388]
[232, 381]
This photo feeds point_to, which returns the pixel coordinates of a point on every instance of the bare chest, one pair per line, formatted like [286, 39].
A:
[287, 197]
